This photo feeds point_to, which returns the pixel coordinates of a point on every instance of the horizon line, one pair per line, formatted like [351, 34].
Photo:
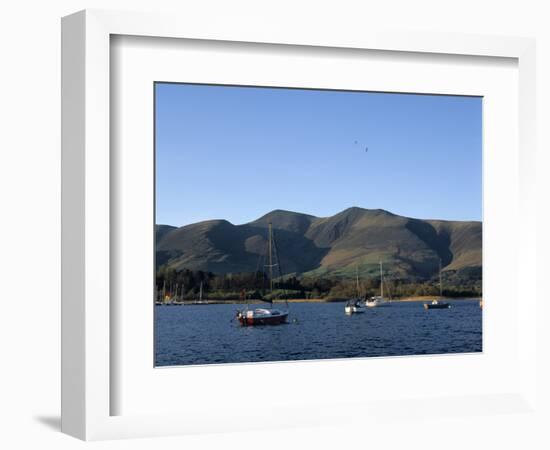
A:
[319, 217]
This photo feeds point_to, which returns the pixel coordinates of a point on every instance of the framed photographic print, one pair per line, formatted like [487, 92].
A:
[277, 238]
[262, 214]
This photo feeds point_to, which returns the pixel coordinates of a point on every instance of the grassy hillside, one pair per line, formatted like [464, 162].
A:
[310, 246]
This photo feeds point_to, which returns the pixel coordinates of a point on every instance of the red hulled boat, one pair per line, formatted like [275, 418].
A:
[269, 315]
[262, 316]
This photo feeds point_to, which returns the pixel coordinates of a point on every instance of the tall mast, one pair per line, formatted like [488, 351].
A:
[440, 283]
[270, 238]
[200, 293]
[381, 282]
[357, 281]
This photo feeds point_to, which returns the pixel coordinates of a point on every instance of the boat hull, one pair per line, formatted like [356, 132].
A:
[275, 319]
[353, 310]
[376, 302]
[377, 305]
[437, 306]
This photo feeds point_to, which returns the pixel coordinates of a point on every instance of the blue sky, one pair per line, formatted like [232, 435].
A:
[237, 153]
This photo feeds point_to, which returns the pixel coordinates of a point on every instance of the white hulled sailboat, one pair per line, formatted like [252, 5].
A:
[353, 306]
[436, 303]
[378, 300]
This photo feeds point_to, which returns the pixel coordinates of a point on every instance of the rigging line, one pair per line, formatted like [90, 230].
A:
[258, 262]
[385, 280]
[263, 272]
[270, 241]
[279, 267]
[264, 279]
[258, 273]
[276, 253]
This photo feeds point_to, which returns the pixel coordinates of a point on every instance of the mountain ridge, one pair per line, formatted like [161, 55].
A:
[336, 245]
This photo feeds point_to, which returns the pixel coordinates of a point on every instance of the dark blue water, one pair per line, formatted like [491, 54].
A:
[209, 334]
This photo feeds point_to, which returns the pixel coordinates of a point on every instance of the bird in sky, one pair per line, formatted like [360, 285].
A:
[366, 148]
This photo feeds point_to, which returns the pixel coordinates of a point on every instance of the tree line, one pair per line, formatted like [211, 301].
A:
[185, 285]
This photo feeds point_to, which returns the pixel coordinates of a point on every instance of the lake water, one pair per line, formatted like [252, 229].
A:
[209, 334]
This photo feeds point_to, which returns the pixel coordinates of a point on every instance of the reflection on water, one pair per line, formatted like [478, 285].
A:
[209, 334]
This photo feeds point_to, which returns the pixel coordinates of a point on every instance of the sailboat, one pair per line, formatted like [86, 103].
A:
[270, 315]
[353, 306]
[436, 303]
[162, 299]
[378, 300]
[200, 301]
[157, 299]
[178, 300]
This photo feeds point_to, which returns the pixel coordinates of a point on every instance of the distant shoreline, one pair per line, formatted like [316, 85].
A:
[395, 300]
[428, 297]
[313, 300]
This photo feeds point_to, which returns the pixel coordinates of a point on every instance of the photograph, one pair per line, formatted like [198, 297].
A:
[292, 223]
[300, 224]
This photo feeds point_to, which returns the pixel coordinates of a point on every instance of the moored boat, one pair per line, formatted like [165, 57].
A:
[200, 301]
[266, 316]
[378, 300]
[436, 303]
[353, 306]
[262, 316]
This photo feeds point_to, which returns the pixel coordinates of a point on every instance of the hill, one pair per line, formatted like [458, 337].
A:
[310, 246]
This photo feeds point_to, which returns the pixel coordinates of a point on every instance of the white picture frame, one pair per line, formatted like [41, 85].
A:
[88, 386]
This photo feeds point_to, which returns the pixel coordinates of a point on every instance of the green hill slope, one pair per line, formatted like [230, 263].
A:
[333, 246]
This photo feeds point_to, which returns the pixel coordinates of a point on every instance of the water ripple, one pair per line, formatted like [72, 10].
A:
[205, 335]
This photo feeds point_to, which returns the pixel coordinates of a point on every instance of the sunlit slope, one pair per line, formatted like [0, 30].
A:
[330, 246]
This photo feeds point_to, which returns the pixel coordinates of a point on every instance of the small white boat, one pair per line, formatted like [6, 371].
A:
[437, 303]
[378, 300]
[200, 301]
[354, 307]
